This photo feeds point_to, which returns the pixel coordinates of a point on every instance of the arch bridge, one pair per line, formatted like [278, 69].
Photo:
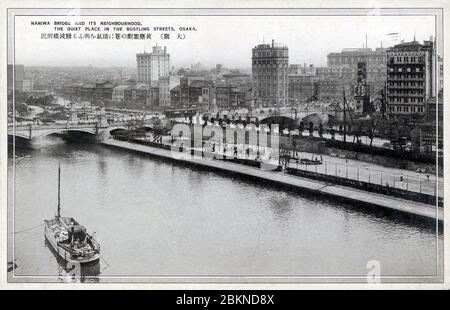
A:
[293, 118]
[31, 134]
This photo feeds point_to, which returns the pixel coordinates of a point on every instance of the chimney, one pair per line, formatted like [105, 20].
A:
[273, 43]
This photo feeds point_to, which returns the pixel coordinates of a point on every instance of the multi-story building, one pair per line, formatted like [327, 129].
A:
[142, 93]
[333, 80]
[152, 66]
[95, 92]
[201, 95]
[297, 69]
[104, 90]
[411, 78]
[165, 84]
[344, 66]
[329, 90]
[175, 97]
[232, 97]
[302, 88]
[86, 91]
[270, 63]
[332, 89]
[237, 79]
[153, 96]
[118, 94]
[193, 94]
[349, 57]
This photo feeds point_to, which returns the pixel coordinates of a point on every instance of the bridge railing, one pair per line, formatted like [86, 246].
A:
[55, 126]
[71, 125]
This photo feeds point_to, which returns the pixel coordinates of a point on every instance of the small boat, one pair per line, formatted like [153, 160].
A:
[69, 239]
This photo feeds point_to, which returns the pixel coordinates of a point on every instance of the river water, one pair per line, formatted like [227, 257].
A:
[157, 221]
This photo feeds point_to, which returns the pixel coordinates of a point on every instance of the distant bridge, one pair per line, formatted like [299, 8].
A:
[32, 132]
[291, 118]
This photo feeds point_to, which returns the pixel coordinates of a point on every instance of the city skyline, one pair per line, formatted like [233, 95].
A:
[230, 50]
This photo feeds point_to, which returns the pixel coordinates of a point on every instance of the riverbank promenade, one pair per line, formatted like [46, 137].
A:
[357, 198]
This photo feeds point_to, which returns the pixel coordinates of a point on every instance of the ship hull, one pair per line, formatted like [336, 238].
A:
[64, 254]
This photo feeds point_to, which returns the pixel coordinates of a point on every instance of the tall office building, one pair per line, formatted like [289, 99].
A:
[350, 57]
[270, 64]
[344, 67]
[152, 66]
[411, 77]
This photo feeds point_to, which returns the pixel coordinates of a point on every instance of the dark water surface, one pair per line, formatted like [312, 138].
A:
[154, 218]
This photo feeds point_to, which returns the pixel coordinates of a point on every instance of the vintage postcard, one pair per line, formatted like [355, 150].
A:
[280, 144]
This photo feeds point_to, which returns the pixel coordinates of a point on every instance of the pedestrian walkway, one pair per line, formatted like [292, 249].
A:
[425, 183]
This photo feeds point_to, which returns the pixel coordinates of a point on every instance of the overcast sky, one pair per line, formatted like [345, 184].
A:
[220, 39]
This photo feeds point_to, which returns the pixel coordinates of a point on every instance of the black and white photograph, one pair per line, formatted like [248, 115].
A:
[280, 145]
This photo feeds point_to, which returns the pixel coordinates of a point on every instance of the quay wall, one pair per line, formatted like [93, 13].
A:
[354, 198]
[371, 187]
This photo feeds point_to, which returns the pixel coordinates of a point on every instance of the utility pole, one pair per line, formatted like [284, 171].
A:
[345, 117]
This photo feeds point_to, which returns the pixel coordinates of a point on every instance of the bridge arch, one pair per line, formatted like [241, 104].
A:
[22, 141]
[112, 129]
[67, 130]
[317, 118]
[19, 135]
[282, 121]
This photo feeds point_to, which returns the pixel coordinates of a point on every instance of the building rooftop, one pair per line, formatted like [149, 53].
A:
[412, 44]
[156, 50]
[231, 75]
[199, 83]
[273, 45]
[352, 51]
